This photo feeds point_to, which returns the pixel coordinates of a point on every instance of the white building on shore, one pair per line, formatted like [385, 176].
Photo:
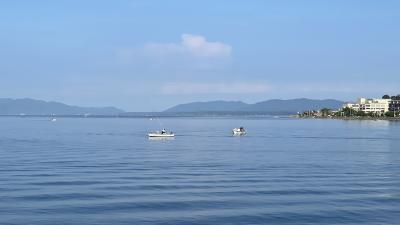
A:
[370, 105]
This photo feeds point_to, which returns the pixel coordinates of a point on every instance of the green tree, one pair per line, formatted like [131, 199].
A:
[397, 97]
[389, 114]
[326, 112]
[348, 112]
[386, 97]
[370, 114]
[361, 113]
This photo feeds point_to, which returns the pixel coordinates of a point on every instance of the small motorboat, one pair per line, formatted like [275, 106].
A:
[239, 131]
[53, 120]
[162, 133]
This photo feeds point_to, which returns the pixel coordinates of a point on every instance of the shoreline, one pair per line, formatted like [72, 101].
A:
[149, 115]
[351, 118]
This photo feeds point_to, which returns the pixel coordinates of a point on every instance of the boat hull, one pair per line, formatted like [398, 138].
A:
[238, 131]
[161, 135]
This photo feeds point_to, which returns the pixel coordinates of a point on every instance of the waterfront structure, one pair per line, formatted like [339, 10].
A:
[354, 106]
[377, 106]
[394, 105]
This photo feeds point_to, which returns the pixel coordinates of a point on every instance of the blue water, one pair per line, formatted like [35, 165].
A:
[285, 171]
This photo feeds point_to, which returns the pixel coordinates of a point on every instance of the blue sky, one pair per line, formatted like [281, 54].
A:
[149, 55]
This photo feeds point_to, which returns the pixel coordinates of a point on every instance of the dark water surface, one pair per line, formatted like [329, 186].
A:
[285, 171]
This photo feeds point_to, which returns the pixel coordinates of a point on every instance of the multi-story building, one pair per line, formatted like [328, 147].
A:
[353, 106]
[374, 105]
[370, 105]
[394, 105]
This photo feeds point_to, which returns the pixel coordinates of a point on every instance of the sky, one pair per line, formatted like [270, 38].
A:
[150, 55]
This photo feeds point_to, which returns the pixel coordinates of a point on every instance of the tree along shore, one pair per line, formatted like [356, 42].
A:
[349, 114]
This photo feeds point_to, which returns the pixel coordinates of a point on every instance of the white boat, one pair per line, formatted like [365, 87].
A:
[239, 131]
[161, 138]
[53, 120]
[162, 133]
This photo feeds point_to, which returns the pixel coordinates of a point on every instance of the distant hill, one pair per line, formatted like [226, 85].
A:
[213, 106]
[294, 105]
[273, 106]
[37, 107]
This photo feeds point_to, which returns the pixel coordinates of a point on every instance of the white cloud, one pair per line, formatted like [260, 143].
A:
[213, 88]
[190, 45]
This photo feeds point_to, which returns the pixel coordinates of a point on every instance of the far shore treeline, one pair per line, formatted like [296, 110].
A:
[392, 112]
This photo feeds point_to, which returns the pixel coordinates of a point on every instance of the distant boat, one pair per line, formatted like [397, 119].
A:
[239, 131]
[53, 120]
[162, 133]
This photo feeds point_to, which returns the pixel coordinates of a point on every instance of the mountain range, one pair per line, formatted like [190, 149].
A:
[29, 106]
[273, 106]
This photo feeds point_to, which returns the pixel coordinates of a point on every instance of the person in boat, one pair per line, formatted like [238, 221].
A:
[241, 129]
[163, 131]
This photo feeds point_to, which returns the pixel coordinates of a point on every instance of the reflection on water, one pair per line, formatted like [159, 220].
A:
[285, 171]
[372, 123]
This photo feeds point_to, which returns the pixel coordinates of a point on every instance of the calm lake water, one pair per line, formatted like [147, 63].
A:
[285, 171]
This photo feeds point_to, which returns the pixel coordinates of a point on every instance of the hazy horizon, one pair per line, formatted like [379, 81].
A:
[152, 55]
[162, 110]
